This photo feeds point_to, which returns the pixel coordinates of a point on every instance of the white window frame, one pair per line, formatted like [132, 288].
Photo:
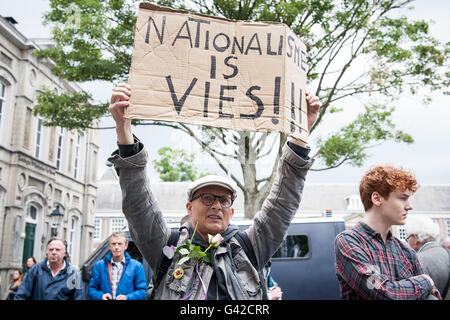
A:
[39, 131]
[3, 89]
[29, 218]
[72, 235]
[354, 203]
[59, 148]
[447, 224]
[77, 156]
[401, 233]
[114, 224]
[97, 228]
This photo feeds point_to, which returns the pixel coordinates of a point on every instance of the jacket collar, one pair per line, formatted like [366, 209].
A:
[63, 270]
[429, 245]
[107, 259]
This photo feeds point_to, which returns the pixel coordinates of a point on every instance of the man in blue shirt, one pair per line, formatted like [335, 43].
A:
[52, 279]
[118, 276]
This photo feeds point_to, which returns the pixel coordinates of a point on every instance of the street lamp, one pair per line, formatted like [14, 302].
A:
[55, 220]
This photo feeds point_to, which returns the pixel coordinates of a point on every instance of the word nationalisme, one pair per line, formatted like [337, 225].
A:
[221, 41]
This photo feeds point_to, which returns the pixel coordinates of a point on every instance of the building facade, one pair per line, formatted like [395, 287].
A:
[319, 200]
[40, 167]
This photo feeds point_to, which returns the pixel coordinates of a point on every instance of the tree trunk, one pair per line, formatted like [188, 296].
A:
[254, 197]
[250, 204]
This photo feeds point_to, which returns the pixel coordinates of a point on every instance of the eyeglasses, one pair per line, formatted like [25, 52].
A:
[208, 199]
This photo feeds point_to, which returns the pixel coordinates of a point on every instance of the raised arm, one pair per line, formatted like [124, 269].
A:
[119, 101]
[313, 106]
[147, 226]
[272, 222]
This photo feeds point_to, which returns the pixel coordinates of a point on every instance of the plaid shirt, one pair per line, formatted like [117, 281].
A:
[116, 272]
[369, 268]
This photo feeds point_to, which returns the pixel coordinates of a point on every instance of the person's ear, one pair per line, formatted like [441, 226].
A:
[377, 199]
[414, 242]
[189, 207]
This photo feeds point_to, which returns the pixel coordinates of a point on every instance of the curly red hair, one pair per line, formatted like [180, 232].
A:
[384, 180]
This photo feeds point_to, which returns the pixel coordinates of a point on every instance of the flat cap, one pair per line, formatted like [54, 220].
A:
[211, 180]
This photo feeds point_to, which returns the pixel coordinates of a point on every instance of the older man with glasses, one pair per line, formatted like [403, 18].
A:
[213, 259]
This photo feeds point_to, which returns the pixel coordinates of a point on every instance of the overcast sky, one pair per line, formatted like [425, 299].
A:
[428, 157]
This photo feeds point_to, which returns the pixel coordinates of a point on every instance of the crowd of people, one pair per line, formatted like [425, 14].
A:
[209, 258]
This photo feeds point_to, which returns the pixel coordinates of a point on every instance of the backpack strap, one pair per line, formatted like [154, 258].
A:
[165, 261]
[246, 245]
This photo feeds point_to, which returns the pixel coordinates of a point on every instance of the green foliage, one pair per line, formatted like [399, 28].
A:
[190, 251]
[70, 110]
[176, 165]
[94, 39]
[351, 142]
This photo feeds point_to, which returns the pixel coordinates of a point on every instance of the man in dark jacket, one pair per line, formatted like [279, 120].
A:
[118, 276]
[52, 279]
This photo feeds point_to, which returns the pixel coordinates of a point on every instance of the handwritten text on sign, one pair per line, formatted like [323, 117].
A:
[208, 71]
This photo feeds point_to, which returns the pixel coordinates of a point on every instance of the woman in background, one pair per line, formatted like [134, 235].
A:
[16, 281]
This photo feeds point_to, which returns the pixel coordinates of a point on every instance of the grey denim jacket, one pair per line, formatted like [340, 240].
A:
[150, 232]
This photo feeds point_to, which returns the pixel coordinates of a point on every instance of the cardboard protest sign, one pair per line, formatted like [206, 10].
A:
[205, 70]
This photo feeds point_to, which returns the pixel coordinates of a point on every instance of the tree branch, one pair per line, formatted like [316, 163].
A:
[213, 155]
[332, 167]
[333, 90]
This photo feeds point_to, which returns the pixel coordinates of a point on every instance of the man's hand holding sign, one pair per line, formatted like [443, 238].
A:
[209, 71]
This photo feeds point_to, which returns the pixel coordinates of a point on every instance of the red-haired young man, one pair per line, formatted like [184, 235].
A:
[370, 262]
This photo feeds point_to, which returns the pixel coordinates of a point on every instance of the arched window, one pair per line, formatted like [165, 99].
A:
[30, 232]
[32, 213]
